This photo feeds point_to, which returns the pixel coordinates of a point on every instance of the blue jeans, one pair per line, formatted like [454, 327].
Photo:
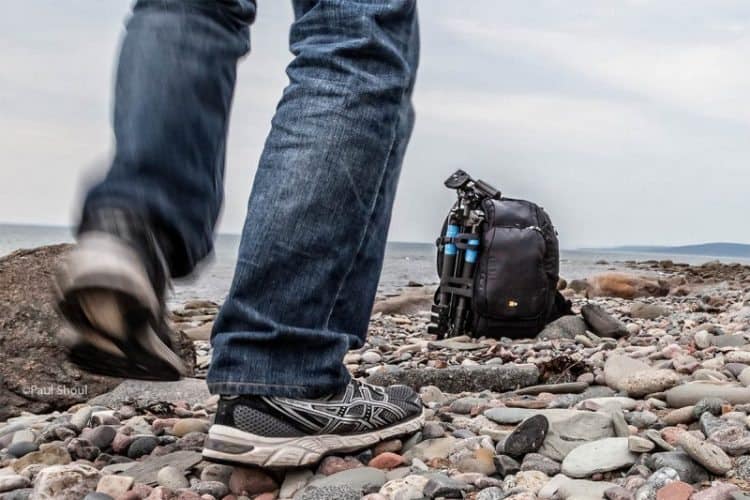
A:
[313, 241]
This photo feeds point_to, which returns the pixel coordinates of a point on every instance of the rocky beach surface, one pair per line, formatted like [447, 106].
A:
[643, 394]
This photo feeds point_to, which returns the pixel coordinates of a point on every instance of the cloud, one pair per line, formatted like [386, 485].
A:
[707, 76]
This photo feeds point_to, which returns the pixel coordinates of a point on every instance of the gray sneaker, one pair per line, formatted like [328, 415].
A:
[286, 432]
[110, 288]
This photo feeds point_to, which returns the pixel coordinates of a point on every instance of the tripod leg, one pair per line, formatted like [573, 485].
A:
[470, 258]
[439, 321]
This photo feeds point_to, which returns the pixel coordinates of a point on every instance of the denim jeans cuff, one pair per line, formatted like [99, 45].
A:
[261, 389]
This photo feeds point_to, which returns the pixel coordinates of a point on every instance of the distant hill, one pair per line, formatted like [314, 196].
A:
[713, 249]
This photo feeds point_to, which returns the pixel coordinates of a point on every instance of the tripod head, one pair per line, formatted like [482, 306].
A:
[470, 188]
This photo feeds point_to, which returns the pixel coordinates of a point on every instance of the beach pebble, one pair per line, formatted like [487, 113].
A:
[11, 482]
[409, 487]
[216, 472]
[638, 444]
[705, 453]
[386, 461]
[333, 464]
[81, 417]
[172, 478]
[538, 462]
[527, 437]
[96, 495]
[18, 450]
[216, 489]
[101, 436]
[505, 465]
[246, 481]
[676, 490]
[599, 456]
[114, 486]
[718, 491]
[371, 357]
[440, 485]
[648, 382]
[142, 445]
[187, 425]
[65, 482]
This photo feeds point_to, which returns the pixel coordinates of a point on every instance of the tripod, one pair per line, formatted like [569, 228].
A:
[460, 247]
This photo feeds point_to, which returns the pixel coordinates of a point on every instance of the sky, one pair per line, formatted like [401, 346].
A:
[628, 120]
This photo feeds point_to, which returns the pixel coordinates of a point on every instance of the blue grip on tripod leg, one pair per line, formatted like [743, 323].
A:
[472, 252]
[450, 232]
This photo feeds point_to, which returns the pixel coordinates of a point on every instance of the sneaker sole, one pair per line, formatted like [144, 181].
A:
[100, 286]
[227, 444]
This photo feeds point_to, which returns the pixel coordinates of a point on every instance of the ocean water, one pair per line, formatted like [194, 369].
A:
[404, 262]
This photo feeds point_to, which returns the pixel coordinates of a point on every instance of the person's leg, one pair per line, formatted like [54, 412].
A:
[173, 92]
[351, 314]
[314, 214]
[153, 214]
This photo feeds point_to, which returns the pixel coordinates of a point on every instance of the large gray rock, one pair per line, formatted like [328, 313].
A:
[35, 375]
[144, 393]
[603, 455]
[568, 429]
[498, 378]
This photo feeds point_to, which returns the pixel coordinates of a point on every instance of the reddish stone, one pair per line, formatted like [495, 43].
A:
[246, 481]
[271, 495]
[142, 490]
[331, 465]
[717, 491]
[386, 461]
[675, 491]
[121, 442]
[188, 495]
[670, 434]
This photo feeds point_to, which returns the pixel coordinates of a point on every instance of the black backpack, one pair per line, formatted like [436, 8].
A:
[511, 290]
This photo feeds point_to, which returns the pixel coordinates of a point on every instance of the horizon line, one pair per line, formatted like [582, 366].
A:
[578, 248]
